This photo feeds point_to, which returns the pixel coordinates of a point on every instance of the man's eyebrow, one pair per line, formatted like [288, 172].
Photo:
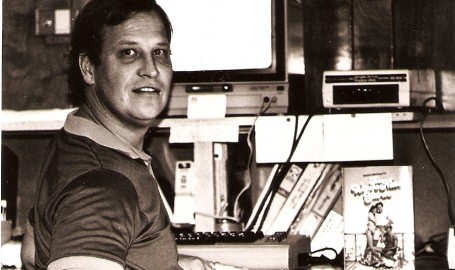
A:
[127, 42]
[130, 42]
[163, 44]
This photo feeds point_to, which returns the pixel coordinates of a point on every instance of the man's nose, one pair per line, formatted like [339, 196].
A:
[148, 68]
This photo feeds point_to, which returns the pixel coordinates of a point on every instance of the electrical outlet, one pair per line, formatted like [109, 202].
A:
[54, 21]
[184, 200]
[184, 179]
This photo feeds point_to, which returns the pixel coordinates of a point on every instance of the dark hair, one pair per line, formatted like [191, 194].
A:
[379, 204]
[372, 208]
[87, 34]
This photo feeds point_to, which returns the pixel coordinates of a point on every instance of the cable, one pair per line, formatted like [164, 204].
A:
[235, 220]
[324, 249]
[271, 191]
[237, 210]
[435, 164]
[279, 175]
[436, 245]
[323, 259]
[266, 104]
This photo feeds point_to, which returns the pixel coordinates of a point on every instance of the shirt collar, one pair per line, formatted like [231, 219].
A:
[83, 127]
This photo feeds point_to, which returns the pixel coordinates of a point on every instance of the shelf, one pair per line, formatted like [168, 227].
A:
[53, 119]
[432, 121]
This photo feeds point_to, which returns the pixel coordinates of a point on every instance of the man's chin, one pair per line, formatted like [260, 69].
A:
[148, 118]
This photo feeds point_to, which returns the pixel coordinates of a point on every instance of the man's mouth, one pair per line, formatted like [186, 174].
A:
[147, 90]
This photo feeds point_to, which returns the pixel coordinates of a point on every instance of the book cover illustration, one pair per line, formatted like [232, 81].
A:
[378, 212]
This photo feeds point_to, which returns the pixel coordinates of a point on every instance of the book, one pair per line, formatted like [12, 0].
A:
[378, 213]
[307, 182]
[329, 235]
[320, 202]
[286, 186]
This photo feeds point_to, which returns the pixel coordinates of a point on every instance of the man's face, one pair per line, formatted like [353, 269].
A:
[379, 209]
[133, 81]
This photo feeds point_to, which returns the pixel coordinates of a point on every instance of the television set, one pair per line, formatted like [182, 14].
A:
[231, 48]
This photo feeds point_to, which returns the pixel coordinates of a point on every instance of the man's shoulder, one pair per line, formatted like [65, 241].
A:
[107, 180]
[72, 159]
[89, 153]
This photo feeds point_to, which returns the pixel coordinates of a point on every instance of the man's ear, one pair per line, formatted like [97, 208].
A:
[87, 69]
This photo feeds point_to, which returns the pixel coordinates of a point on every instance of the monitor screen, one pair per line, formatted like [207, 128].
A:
[236, 48]
[210, 39]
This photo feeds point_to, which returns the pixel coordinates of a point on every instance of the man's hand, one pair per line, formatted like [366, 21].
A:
[196, 263]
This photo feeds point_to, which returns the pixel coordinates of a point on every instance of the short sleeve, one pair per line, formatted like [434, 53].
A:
[31, 217]
[95, 215]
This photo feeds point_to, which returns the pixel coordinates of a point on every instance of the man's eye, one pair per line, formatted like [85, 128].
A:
[161, 52]
[129, 52]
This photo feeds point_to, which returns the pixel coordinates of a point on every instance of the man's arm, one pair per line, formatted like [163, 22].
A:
[28, 248]
[83, 263]
[190, 262]
[73, 262]
[390, 220]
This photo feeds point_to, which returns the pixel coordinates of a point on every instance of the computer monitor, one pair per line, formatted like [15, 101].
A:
[233, 48]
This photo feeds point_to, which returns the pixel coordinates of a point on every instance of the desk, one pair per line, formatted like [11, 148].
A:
[426, 263]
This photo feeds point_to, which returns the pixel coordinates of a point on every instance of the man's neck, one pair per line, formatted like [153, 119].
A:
[131, 136]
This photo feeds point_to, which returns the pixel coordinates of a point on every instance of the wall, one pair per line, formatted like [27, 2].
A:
[30, 150]
[356, 34]
[33, 70]
[430, 201]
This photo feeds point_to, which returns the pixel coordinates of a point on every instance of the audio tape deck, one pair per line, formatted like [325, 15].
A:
[393, 88]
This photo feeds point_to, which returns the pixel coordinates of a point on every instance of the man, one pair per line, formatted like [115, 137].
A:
[389, 250]
[97, 203]
[390, 243]
[382, 220]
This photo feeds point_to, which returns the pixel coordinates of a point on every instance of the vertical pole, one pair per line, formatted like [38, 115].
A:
[221, 189]
[205, 186]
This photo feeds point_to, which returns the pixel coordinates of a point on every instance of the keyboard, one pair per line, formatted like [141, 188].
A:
[251, 250]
